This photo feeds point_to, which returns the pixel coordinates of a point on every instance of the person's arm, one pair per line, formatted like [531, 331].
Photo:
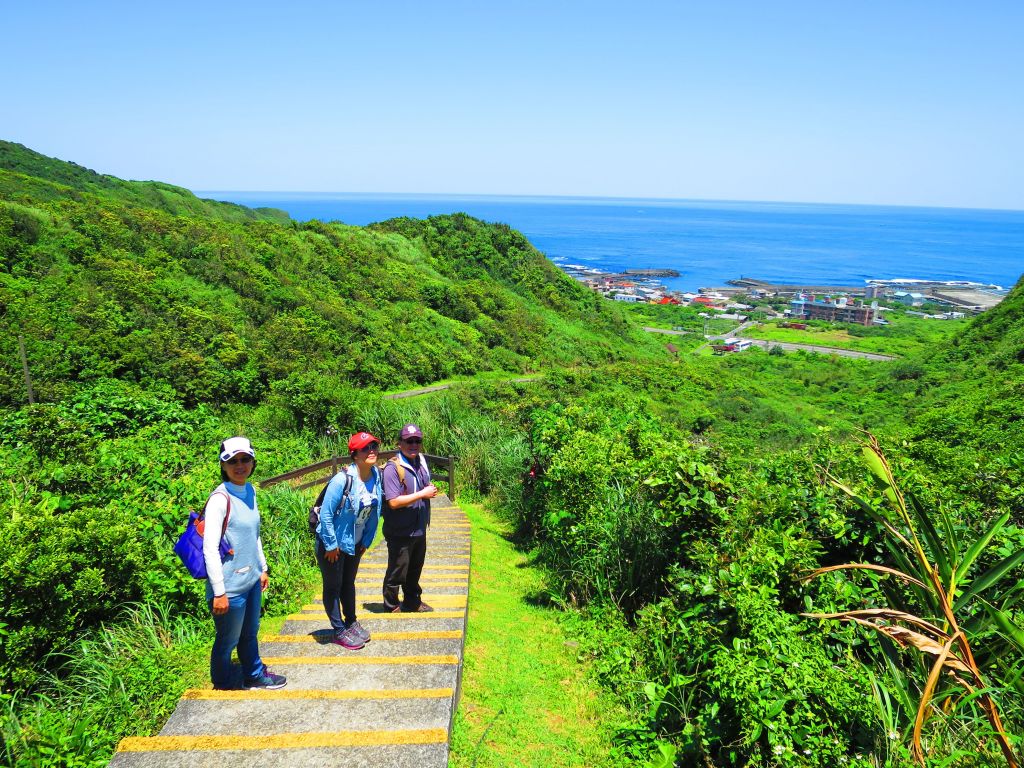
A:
[393, 488]
[411, 498]
[264, 568]
[328, 510]
[216, 510]
[370, 529]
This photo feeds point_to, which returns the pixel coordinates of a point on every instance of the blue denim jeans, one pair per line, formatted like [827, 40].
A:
[238, 627]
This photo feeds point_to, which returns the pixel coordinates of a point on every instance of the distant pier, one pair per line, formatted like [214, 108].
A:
[975, 297]
[652, 272]
[763, 285]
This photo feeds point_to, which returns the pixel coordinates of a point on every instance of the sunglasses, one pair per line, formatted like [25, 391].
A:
[413, 440]
[370, 448]
[242, 458]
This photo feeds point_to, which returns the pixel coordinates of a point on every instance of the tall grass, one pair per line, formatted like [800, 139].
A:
[284, 514]
[119, 680]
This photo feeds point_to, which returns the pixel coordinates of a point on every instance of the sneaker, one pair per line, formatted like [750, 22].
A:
[423, 608]
[396, 609]
[349, 640]
[266, 681]
[359, 631]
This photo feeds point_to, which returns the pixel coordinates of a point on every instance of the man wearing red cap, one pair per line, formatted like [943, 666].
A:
[407, 493]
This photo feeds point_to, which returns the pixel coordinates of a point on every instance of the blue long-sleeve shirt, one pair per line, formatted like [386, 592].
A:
[339, 523]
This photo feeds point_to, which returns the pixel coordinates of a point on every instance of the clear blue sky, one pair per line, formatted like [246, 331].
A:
[895, 102]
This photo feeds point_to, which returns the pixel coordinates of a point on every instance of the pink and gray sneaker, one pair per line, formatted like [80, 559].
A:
[349, 640]
[360, 631]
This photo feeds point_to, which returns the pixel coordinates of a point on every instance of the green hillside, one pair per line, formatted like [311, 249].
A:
[675, 504]
[34, 177]
[153, 321]
[145, 283]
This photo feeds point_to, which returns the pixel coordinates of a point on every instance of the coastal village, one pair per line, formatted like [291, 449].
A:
[847, 304]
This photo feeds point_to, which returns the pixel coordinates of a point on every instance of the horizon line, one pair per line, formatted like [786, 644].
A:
[609, 198]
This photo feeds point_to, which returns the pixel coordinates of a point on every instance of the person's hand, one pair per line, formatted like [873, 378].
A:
[331, 555]
[428, 492]
[220, 605]
[359, 550]
[264, 581]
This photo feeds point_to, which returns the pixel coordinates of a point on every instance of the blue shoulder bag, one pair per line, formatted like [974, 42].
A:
[189, 546]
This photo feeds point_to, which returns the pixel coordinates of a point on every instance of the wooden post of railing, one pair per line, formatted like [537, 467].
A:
[451, 478]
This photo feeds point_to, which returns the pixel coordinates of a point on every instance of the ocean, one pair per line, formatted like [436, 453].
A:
[710, 242]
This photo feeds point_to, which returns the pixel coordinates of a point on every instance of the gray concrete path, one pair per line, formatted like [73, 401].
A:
[389, 704]
[793, 347]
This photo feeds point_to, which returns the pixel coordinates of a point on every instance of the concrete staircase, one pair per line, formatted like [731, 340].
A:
[389, 704]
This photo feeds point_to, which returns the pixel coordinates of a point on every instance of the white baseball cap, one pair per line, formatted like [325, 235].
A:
[236, 445]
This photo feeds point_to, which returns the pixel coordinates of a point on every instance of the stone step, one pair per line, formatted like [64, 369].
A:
[418, 750]
[388, 704]
[321, 643]
[389, 622]
[313, 714]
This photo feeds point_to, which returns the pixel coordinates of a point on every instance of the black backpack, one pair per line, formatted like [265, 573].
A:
[314, 511]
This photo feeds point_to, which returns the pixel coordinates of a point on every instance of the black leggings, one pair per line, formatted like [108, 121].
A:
[339, 580]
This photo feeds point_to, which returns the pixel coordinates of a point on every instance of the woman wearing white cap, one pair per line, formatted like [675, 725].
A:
[234, 588]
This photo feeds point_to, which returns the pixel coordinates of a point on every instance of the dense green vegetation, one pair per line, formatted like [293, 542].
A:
[103, 287]
[903, 335]
[676, 503]
[537, 708]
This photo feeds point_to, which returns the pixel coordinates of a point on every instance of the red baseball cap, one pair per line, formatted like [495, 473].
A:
[361, 440]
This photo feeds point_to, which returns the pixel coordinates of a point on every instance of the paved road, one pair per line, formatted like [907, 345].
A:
[735, 331]
[786, 345]
[666, 330]
[793, 347]
[790, 347]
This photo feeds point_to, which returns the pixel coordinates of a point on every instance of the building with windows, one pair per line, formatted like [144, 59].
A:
[834, 309]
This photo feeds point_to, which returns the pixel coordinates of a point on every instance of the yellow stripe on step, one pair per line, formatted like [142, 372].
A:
[426, 578]
[426, 569]
[444, 601]
[283, 740]
[427, 634]
[423, 582]
[360, 659]
[206, 694]
[449, 614]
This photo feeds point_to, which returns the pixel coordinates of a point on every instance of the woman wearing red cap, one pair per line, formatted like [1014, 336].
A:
[348, 523]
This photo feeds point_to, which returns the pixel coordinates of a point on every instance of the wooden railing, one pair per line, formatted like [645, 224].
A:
[326, 469]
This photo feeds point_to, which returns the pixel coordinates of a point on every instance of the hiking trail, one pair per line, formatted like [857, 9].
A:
[389, 704]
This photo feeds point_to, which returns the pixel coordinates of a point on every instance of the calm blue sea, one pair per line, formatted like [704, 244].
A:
[710, 242]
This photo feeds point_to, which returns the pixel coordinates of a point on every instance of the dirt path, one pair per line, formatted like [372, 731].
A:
[439, 387]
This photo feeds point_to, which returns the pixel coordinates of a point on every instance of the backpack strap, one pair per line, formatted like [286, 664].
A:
[320, 496]
[227, 514]
[323, 492]
[400, 469]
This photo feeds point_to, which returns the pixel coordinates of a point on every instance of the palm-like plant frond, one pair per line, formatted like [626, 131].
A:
[935, 567]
